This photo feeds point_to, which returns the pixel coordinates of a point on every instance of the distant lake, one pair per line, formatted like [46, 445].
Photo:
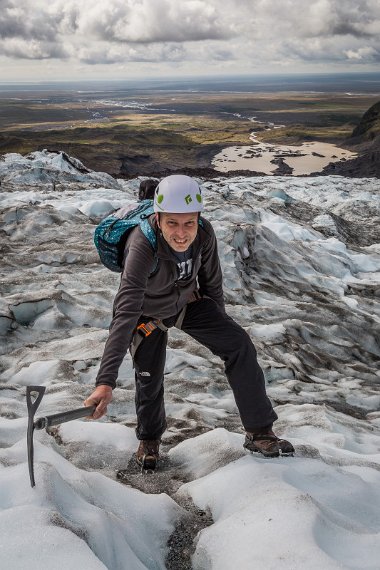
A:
[304, 159]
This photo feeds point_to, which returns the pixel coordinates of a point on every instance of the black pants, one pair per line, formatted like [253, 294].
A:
[207, 324]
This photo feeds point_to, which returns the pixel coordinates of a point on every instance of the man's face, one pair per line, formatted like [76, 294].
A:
[179, 230]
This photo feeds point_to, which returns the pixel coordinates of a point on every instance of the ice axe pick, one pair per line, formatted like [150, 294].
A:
[46, 421]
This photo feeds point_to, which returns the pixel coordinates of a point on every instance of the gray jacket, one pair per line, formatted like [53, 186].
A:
[159, 295]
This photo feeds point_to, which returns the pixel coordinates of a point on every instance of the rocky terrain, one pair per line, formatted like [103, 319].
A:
[365, 140]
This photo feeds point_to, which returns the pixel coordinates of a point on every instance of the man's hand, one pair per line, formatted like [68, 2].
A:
[101, 396]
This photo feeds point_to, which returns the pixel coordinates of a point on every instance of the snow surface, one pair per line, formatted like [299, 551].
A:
[301, 263]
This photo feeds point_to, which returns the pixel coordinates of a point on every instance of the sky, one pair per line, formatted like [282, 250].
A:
[120, 39]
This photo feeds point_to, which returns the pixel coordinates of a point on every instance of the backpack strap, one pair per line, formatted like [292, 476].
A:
[149, 233]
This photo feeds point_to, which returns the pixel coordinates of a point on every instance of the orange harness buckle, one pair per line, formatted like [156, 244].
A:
[146, 328]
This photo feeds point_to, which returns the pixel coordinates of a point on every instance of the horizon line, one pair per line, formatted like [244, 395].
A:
[195, 77]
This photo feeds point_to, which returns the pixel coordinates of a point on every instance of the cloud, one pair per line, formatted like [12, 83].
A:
[257, 33]
[27, 21]
[20, 48]
[105, 53]
[364, 53]
[320, 18]
[155, 21]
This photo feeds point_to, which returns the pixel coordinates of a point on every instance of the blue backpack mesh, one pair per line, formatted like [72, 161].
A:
[112, 232]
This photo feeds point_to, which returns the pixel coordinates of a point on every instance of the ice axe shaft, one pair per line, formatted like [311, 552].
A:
[44, 422]
[62, 417]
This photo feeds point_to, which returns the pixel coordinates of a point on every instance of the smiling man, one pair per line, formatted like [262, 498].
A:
[179, 284]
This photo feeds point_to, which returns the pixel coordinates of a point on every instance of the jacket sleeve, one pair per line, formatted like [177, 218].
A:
[127, 308]
[210, 278]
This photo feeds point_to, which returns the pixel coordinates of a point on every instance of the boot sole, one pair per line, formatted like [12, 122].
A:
[274, 454]
[263, 453]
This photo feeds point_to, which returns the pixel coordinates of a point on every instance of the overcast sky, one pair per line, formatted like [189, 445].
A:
[95, 39]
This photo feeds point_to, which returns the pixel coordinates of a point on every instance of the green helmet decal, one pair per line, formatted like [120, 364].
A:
[160, 198]
[188, 199]
[199, 198]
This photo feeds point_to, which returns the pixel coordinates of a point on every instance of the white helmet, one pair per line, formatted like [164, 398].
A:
[178, 194]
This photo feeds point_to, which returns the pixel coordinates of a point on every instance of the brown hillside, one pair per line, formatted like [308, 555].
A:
[365, 140]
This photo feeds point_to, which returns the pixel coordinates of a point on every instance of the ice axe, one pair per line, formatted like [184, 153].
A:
[46, 421]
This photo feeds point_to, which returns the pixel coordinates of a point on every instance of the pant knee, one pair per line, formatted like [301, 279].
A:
[240, 341]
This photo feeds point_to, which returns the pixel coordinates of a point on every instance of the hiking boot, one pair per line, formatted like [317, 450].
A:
[264, 443]
[268, 444]
[147, 454]
[286, 447]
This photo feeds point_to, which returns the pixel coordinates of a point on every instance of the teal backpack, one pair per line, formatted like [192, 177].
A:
[111, 234]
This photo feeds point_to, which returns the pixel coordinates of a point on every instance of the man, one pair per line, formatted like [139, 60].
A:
[179, 284]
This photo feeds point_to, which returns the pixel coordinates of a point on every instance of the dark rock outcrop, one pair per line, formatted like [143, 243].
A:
[282, 169]
[369, 126]
[366, 165]
[365, 140]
